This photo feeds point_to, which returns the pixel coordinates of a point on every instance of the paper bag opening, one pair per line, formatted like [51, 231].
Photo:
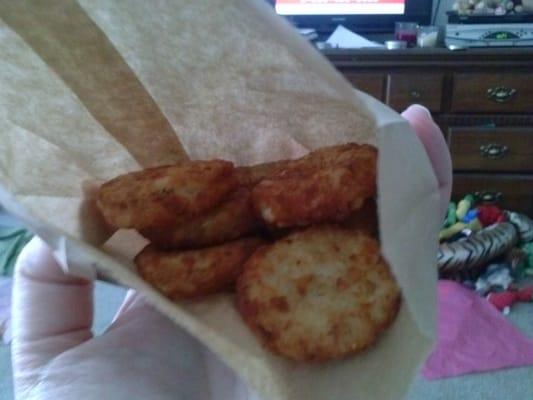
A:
[94, 89]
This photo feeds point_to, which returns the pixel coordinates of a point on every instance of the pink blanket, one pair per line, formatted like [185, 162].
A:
[473, 336]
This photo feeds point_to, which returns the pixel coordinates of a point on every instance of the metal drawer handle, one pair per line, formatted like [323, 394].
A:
[415, 94]
[501, 94]
[489, 197]
[493, 151]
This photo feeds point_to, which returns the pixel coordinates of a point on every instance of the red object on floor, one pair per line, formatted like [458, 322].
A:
[501, 300]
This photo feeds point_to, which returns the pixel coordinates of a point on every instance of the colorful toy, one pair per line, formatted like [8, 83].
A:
[523, 223]
[474, 225]
[468, 247]
[470, 216]
[467, 259]
[496, 277]
[517, 260]
[527, 265]
[451, 217]
[504, 300]
[447, 233]
[463, 206]
[489, 214]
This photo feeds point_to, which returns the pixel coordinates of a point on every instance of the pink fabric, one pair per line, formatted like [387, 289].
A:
[473, 336]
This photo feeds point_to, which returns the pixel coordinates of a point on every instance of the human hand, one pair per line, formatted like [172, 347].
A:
[433, 140]
[142, 354]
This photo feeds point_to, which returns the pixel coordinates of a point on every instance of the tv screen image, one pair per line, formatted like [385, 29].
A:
[362, 16]
[339, 7]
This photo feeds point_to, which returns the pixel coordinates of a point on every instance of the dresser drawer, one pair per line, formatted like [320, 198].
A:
[491, 149]
[406, 89]
[509, 93]
[370, 83]
[513, 192]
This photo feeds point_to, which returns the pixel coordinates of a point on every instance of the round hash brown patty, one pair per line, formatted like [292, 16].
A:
[326, 185]
[231, 219]
[162, 196]
[318, 294]
[195, 273]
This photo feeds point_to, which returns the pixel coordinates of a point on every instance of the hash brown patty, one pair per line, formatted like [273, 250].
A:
[230, 220]
[327, 195]
[318, 294]
[161, 196]
[326, 185]
[195, 273]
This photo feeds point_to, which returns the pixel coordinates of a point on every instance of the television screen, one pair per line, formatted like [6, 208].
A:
[339, 7]
[376, 16]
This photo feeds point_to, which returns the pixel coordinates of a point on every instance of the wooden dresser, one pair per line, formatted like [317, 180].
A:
[482, 100]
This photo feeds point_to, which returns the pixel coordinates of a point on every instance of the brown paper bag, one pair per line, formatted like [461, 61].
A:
[92, 89]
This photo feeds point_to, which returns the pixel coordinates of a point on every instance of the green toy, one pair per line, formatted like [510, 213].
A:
[463, 206]
[451, 216]
[447, 233]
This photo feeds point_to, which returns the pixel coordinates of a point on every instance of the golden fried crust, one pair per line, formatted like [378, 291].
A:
[159, 197]
[326, 185]
[318, 294]
[326, 195]
[249, 176]
[351, 155]
[195, 273]
[232, 219]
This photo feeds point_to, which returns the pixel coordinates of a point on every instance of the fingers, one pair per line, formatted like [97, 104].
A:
[161, 358]
[137, 322]
[436, 148]
[52, 312]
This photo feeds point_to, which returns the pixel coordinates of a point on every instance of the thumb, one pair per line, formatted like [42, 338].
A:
[52, 312]
[433, 140]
